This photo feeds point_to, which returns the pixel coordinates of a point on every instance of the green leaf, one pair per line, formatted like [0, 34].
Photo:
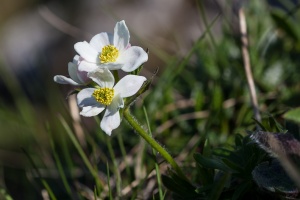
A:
[207, 148]
[182, 188]
[293, 115]
[137, 71]
[232, 165]
[241, 189]
[260, 124]
[285, 24]
[212, 163]
[275, 126]
[218, 187]
[4, 195]
[204, 189]
[217, 97]
[186, 187]
[238, 140]
[206, 176]
[170, 183]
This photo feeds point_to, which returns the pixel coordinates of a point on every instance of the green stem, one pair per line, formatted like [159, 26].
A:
[207, 26]
[82, 154]
[135, 125]
[116, 169]
[116, 76]
[161, 195]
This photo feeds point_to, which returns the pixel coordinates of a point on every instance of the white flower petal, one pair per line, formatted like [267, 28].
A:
[132, 58]
[129, 85]
[117, 102]
[90, 107]
[121, 35]
[100, 40]
[72, 69]
[86, 51]
[87, 66]
[103, 77]
[85, 98]
[77, 59]
[82, 76]
[64, 80]
[90, 111]
[110, 121]
[113, 66]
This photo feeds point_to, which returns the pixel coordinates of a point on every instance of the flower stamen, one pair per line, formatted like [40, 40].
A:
[108, 54]
[104, 95]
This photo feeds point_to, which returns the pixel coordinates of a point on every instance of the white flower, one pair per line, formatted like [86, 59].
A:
[94, 100]
[76, 77]
[111, 50]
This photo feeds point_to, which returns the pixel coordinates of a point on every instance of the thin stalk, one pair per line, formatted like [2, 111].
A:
[136, 126]
[44, 182]
[207, 26]
[60, 169]
[247, 65]
[108, 182]
[82, 154]
[58, 163]
[51, 194]
[161, 196]
[116, 76]
[123, 151]
[218, 187]
[116, 169]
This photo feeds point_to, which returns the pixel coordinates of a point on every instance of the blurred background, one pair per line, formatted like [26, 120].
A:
[195, 45]
[36, 32]
[37, 37]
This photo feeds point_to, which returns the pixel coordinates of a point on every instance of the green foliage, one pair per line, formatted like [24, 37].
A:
[239, 171]
[182, 188]
[244, 164]
[293, 115]
[4, 195]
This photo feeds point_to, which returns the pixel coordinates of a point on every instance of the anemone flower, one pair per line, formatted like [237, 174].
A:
[107, 96]
[112, 51]
[76, 77]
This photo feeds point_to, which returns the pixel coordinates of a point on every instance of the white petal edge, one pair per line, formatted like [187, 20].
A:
[85, 98]
[110, 121]
[86, 51]
[113, 66]
[100, 40]
[129, 85]
[132, 58]
[64, 80]
[72, 69]
[87, 66]
[82, 76]
[103, 77]
[90, 111]
[116, 103]
[121, 35]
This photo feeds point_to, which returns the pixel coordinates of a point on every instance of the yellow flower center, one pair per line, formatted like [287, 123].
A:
[109, 54]
[104, 95]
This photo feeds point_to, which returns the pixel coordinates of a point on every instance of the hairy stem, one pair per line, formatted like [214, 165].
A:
[135, 125]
